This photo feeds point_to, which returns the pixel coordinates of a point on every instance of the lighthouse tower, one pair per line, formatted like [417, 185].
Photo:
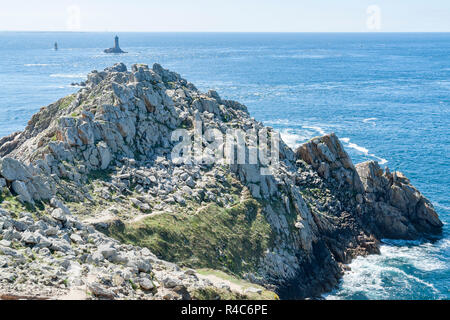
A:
[116, 48]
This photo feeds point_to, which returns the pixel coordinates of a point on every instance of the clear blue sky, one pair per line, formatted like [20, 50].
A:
[226, 15]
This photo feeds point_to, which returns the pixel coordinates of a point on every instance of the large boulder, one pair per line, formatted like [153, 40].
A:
[398, 209]
[12, 169]
[327, 155]
[20, 188]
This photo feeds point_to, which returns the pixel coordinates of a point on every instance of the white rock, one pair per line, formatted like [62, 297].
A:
[76, 238]
[59, 215]
[56, 203]
[29, 238]
[146, 284]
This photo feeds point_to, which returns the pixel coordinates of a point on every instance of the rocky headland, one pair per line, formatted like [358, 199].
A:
[93, 206]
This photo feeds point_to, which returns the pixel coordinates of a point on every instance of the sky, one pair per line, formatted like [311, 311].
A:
[226, 15]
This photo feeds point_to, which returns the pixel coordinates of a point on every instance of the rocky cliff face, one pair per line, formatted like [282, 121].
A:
[100, 160]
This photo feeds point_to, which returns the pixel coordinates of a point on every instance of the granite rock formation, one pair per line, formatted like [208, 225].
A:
[92, 200]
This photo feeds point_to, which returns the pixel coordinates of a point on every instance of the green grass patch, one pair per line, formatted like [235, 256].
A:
[64, 103]
[11, 203]
[264, 295]
[212, 293]
[232, 239]
[103, 175]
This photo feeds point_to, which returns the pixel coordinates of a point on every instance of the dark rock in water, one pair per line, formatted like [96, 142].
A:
[76, 84]
[116, 48]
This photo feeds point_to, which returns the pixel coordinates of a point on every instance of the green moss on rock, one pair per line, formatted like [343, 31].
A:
[232, 239]
[64, 103]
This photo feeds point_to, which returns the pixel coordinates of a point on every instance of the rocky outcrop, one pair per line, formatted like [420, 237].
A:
[59, 257]
[395, 209]
[101, 159]
[387, 204]
[328, 157]
[24, 181]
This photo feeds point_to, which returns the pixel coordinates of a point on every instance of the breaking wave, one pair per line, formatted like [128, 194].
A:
[364, 151]
[40, 64]
[369, 120]
[295, 137]
[68, 75]
[399, 272]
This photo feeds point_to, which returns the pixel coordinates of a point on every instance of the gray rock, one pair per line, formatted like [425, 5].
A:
[105, 155]
[141, 265]
[59, 215]
[100, 291]
[398, 209]
[76, 238]
[29, 238]
[21, 189]
[51, 231]
[5, 243]
[56, 203]
[20, 226]
[169, 282]
[107, 251]
[59, 245]
[11, 235]
[12, 170]
[4, 261]
[97, 257]
[146, 284]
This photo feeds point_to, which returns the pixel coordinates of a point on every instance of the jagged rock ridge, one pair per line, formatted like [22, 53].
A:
[103, 154]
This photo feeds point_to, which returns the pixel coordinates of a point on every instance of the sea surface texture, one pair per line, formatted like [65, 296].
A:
[387, 96]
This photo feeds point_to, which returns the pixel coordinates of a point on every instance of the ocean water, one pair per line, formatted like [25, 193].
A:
[387, 96]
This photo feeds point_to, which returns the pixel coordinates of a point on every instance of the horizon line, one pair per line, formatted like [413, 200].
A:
[107, 31]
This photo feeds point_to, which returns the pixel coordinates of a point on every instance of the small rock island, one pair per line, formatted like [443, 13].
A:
[116, 48]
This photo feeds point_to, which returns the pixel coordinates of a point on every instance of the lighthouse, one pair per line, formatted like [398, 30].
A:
[116, 43]
[116, 48]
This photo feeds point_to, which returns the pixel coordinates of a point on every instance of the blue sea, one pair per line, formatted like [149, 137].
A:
[387, 96]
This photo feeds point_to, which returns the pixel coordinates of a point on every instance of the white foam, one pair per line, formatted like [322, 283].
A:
[441, 206]
[289, 138]
[285, 122]
[384, 277]
[380, 160]
[64, 75]
[295, 137]
[363, 150]
[369, 120]
[317, 129]
[359, 148]
[292, 139]
[39, 64]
